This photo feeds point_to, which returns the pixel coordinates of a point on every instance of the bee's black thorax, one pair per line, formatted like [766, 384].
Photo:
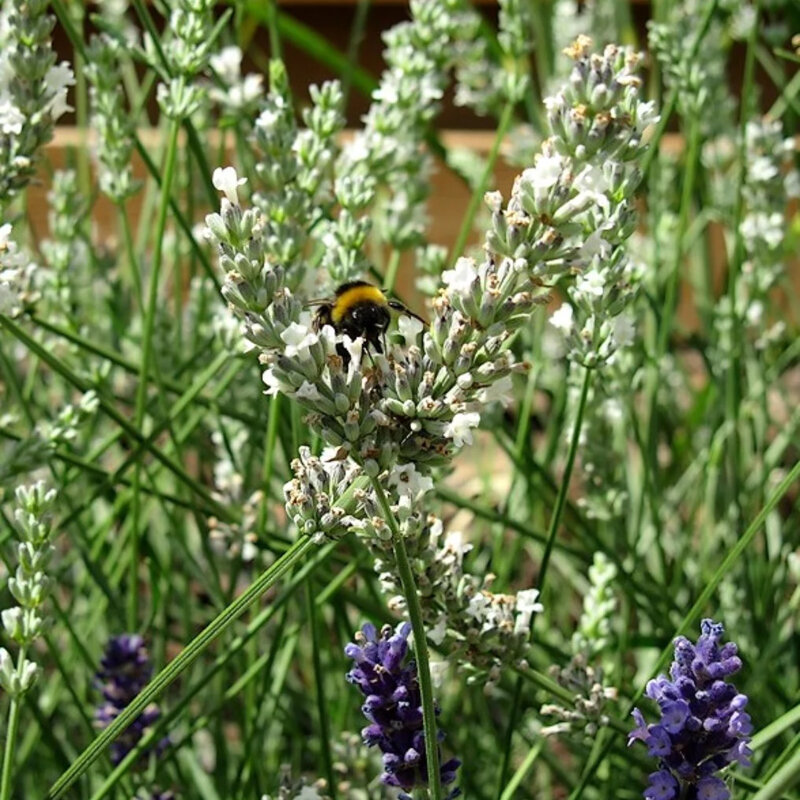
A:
[359, 309]
[368, 320]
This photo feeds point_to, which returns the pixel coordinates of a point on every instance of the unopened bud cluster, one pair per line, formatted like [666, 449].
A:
[586, 682]
[604, 424]
[17, 272]
[771, 181]
[295, 171]
[297, 789]
[589, 710]
[234, 539]
[593, 633]
[110, 120]
[183, 53]
[700, 77]
[388, 152]
[572, 212]
[66, 252]
[29, 586]
[33, 91]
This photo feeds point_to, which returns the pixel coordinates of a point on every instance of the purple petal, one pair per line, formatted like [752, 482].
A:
[712, 789]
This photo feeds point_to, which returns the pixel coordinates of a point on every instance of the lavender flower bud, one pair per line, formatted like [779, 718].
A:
[703, 726]
[393, 707]
[124, 671]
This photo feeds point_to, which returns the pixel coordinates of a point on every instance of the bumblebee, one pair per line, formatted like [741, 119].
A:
[359, 309]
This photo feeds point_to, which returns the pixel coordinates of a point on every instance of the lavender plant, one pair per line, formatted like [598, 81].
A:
[578, 442]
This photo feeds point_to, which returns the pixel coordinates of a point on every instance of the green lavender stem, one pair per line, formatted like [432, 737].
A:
[319, 681]
[11, 738]
[147, 353]
[420, 643]
[733, 376]
[391, 271]
[477, 195]
[561, 498]
[555, 521]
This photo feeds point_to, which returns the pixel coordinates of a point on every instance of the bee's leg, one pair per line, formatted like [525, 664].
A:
[344, 355]
[377, 340]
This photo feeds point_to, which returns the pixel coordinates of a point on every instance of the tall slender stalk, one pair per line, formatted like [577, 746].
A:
[555, 521]
[319, 685]
[420, 643]
[144, 371]
[390, 278]
[466, 225]
[733, 376]
[561, 498]
[11, 737]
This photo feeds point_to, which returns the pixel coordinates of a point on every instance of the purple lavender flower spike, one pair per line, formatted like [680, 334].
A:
[703, 726]
[393, 707]
[124, 671]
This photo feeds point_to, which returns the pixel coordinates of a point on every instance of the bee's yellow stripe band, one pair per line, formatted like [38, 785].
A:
[351, 297]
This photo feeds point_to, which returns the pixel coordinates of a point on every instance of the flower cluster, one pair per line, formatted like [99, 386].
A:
[388, 151]
[770, 182]
[237, 95]
[582, 185]
[29, 586]
[16, 275]
[700, 77]
[114, 127]
[183, 54]
[416, 403]
[482, 629]
[570, 20]
[393, 707]
[703, 726]
[33, 91]
[124, 671]
[591, 696]
[313, 497]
